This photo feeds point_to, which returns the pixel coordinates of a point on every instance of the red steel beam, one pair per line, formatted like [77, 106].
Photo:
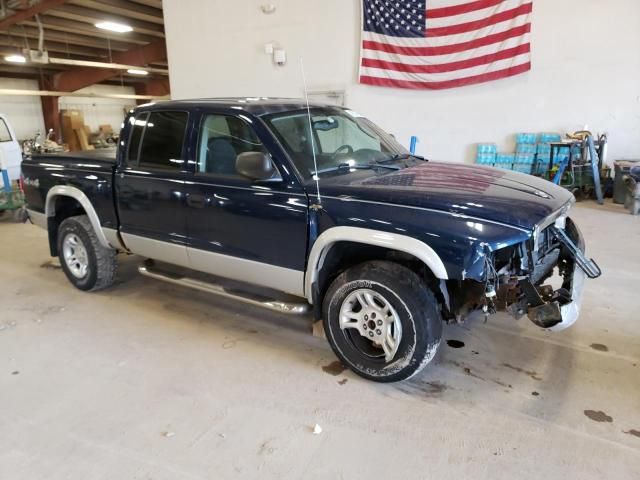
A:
[158, 88]
[50, 107]
[72, 80]
[29, 12]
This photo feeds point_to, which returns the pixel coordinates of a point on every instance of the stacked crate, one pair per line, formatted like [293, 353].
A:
[505, 160]
[533, 152]
[525, 152]
[486, 154]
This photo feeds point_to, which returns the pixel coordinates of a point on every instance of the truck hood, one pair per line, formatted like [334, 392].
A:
[487, 193]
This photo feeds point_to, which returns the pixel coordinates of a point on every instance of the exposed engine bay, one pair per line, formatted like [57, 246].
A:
[520, 279]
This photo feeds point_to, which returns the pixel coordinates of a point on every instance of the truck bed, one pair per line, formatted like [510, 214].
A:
[90, 172]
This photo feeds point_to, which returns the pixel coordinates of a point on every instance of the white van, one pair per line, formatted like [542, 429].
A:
[10, 153]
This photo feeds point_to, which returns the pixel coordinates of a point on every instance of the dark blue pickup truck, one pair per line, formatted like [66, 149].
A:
[313, 209]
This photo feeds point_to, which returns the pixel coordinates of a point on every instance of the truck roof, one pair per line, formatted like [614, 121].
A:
[254, 105]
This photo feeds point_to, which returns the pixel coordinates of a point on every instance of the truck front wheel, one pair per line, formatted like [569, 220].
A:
[86, 262]
[382, 321]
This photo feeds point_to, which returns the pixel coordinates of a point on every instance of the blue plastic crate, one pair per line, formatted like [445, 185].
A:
[549, 137]
[487, 148]
[523, 167]
[526, 138]
[525, 158]
[525, 148]
[543, 148]
[485, 158]
[505, 160]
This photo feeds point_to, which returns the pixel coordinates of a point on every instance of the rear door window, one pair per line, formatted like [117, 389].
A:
[162, 140]
[5, 135]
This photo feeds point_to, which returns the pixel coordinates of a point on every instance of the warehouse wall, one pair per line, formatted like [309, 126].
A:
[24, 113]
[586, 70]
[99, 111]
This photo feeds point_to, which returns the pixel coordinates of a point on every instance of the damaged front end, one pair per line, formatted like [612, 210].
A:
[554, 254]
[541, 277]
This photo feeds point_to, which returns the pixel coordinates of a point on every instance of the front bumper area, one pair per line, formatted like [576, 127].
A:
[549, 308]
[558, 309]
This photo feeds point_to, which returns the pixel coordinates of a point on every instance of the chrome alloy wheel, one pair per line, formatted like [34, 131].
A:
[372, 316]
[75, 255]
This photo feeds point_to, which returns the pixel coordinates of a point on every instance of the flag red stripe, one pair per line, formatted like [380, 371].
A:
[458, 82]
[460, 9]
[448, 49]
[478, 24]
[448, 67]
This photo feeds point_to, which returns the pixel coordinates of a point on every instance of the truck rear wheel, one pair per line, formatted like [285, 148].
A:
[382, 321]
[88, 265]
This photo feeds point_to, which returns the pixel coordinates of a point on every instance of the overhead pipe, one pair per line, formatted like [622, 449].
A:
[112, 66]
[53, 93]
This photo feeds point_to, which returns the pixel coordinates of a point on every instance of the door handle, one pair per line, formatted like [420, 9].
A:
[196, 201]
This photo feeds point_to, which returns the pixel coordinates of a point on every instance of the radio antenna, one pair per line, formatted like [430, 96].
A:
[313, 145]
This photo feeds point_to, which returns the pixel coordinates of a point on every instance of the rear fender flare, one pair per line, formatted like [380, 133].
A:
[392, 241]
[83, 200]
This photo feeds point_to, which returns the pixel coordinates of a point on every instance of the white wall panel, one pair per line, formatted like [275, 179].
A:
[586, 70]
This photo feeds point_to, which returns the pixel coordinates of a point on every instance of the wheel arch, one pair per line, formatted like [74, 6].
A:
[372, 238]
[76, 203]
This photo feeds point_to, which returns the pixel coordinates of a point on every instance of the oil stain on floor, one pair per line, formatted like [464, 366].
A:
[455, 343]
[334, 368]
[531, 373]
[599, 347]
[598, 416]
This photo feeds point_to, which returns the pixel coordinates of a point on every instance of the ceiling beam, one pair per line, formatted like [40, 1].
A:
[63, 48]
[140, 56]
[150, 3]
[73, 39]
[87, 15]
[80, 28]
[29, 12]
[124, 8]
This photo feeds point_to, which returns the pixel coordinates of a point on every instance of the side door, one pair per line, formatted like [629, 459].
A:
[251, 231]
[150, 186]
[10, 153]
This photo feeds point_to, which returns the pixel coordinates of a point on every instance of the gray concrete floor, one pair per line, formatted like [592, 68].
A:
[149, 381]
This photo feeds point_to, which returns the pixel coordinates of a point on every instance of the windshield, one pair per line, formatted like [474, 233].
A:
[340, 138]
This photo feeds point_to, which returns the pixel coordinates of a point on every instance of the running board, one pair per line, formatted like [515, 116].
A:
[251, 299]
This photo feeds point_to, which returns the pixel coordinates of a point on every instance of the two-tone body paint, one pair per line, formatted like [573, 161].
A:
[455, 210]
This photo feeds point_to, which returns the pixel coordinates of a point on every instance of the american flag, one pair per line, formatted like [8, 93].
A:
[436, 44]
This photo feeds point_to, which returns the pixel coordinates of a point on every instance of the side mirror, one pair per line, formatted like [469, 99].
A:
[255, 165]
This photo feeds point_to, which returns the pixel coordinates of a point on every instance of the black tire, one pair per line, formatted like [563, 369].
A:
[101, 261]
[415, 307]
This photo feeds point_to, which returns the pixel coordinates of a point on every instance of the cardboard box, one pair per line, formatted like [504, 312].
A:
[106, 129]
[75, 117]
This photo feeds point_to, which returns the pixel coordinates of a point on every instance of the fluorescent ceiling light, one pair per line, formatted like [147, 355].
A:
[135, 71]
[114, 27]
[15, 58]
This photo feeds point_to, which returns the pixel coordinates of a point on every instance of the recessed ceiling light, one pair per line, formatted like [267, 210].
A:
[114, 27]
[135, 71]
[15, 58]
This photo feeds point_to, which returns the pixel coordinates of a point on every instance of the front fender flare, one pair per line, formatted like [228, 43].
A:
[401, 243]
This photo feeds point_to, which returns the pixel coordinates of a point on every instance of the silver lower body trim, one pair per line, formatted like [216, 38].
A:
[277, 306]
[164, 251]
[111, 235]
[234, 268]
[38, 219]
